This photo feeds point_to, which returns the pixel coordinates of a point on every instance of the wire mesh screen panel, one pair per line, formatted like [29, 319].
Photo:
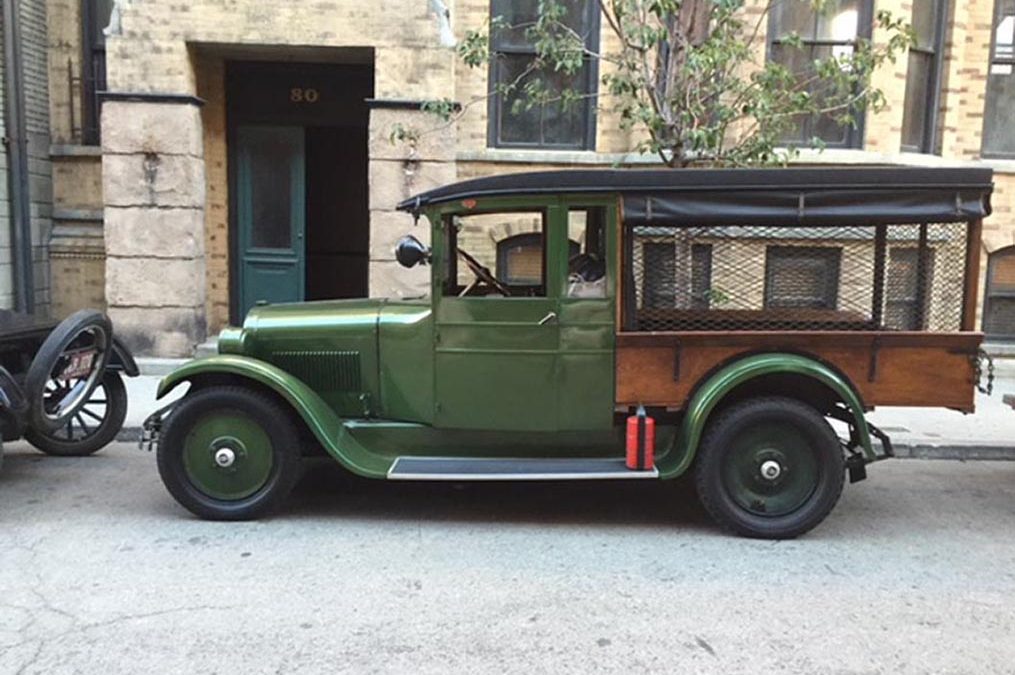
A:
[730, 278]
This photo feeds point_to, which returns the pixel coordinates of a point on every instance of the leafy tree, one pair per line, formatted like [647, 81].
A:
[690, 76]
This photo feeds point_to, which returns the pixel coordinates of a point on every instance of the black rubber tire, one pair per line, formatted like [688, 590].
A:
[712, 456]
[42, 365]
[116, 412]
[271, 416]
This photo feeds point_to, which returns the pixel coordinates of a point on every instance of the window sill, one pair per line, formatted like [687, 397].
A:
[72, 150]
[585, 157]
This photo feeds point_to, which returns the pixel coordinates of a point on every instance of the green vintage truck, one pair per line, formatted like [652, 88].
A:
[753, 316]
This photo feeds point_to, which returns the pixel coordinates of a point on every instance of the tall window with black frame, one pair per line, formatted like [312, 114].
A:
[831, 31]
[998, 130]
[95, 17]
[923, 76]
[554, 123]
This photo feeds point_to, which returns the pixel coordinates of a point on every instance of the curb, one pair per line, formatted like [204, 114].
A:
[958, 452]
[961, 453]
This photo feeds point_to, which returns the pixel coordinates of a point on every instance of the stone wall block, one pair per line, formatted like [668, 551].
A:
[153, 180]
[391, 280]
[415, 73]
[436, 140]
[391, 181]
[169, 331]
[168, 129]
[387, 227]
[150, 282]
[155, 233]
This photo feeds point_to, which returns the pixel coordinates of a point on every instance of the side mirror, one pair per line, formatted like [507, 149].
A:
[410, 251]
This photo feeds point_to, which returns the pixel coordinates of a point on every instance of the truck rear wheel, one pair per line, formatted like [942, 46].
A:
[770, 468]
[228, 453]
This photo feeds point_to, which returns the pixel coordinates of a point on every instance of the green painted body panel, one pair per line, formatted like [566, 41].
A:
[331, 346]
[679, 458]
[495, 364]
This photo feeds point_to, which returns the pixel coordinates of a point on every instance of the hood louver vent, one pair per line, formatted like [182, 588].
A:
[322, 370]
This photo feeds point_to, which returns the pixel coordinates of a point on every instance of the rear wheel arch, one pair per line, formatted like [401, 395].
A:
[768, 374]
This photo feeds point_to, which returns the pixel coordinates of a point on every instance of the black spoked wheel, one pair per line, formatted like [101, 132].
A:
[228, 453]
[67, 368]
[770, 468]
[93, 427]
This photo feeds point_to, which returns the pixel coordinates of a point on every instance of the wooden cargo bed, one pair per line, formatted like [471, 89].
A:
[887, 368]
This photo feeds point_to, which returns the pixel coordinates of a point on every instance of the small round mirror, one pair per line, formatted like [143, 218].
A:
[411, 251]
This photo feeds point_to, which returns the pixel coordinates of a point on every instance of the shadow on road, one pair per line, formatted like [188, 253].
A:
[327, 490]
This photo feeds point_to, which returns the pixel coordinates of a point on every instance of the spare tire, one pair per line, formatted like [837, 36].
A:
[67, 368]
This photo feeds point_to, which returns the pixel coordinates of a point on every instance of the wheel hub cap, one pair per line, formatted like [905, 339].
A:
[770, 469]
[227, 455]
[225, 458]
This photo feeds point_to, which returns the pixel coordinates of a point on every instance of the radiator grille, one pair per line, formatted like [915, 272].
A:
[323, 370]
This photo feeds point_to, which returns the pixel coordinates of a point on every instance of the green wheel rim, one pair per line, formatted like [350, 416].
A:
[770, 469]
[228, 455]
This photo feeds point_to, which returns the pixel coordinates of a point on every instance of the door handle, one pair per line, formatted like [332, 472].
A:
[552, 316]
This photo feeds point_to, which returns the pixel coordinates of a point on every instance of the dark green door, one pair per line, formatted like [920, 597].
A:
[542, 358]
[270, 214]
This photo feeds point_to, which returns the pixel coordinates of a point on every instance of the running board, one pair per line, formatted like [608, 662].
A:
[468, 469]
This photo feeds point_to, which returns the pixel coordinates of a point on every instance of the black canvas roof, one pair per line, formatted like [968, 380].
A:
[778, 196]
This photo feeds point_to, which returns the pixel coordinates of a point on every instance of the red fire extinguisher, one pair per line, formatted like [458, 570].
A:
[641, 441]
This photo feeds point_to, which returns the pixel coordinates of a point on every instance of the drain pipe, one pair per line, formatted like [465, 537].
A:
[17, 149]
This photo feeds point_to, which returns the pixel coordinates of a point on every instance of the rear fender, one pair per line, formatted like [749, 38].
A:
[712, 392]
[320, 419]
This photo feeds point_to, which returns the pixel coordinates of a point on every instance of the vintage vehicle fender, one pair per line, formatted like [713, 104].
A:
[326, 426]
[685, 444]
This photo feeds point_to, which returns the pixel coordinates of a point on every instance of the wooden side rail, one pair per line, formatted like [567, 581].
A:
[885, 367]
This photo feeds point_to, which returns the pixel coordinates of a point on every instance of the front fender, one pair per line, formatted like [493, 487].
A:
[708, 396]
[324, 424]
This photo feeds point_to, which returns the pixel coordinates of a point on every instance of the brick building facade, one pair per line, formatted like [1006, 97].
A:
[209, 107]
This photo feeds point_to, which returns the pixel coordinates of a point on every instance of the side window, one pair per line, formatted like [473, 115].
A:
[676, 275]
[496, 255]
[903, 294]
[95, 16]
[998, 134]
[802, 277]
[919, 114]
[999, 308]
[586, 260]
[799, 35]
[514, 121]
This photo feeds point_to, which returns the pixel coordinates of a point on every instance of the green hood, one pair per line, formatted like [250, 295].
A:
[333, 347]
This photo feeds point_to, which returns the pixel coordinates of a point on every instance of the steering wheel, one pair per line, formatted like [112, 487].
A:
[482, 275]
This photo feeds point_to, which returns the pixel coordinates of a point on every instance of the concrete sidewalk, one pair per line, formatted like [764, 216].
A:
[929, 433]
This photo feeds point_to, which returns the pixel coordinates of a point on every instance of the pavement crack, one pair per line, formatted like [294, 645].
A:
[148, 615]
[704, 645]
[33, 659]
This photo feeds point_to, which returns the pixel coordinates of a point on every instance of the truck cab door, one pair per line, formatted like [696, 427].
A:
[541, 357]
[495, 354]
[585, 359]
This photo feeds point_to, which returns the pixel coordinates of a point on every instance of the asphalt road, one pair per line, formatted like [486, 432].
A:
[101, 572]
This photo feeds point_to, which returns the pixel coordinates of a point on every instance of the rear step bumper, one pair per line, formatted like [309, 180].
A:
[470, 469]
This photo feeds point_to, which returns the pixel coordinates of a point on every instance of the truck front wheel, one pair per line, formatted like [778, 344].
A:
[770, 468]
[229, 453]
